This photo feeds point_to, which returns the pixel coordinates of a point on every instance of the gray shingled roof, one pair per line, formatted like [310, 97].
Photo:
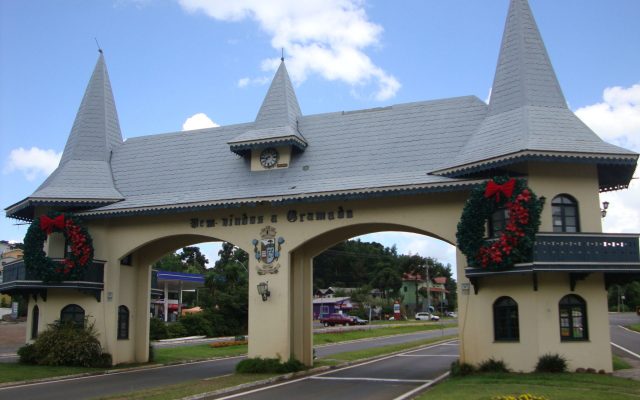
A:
[277, 120]
[527, 110]
[84, 171]
[368, 150]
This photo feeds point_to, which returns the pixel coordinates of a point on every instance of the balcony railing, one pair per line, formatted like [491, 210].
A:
[578, 254]
[16, 279]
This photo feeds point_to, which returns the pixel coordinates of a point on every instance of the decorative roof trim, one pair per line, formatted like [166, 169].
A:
[30, 202]
[530, 155]
[355, 194]
[242, 147]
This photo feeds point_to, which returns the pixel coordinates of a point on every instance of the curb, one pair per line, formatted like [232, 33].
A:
[313, 371]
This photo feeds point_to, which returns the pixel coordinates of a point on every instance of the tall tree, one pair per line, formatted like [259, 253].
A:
[194, 258]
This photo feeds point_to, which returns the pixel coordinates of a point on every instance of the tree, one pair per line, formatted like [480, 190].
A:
[388, 280]
[194, 258]
[170, 262]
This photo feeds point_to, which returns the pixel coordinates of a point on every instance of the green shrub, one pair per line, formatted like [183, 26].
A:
[551, 363]
[197, 325]
[65, 343]
[105, 361]
[177, 330]
[157, 329]
[152, 354]
[461, 369]
[27, 354]
[268, 365]
[223, 326]
[492, 365]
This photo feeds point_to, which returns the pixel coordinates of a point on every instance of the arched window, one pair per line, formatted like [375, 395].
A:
[123, 322]
[498, 222]
[35, 317]
[73, 313]
[505, 320]
[565, 214]
[573, 318]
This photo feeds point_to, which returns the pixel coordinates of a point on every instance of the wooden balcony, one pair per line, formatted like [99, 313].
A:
[578, 254]
[16, 280]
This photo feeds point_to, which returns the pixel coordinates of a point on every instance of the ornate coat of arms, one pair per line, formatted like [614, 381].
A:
[267, 250]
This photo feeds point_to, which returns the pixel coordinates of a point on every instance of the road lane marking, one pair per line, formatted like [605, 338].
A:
[428, 355]
[629, 330]
[108, 373]
[337, 378]
[627, 350]
[420, 388]
[332, 372]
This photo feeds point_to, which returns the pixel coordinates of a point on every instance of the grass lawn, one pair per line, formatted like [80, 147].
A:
[619, 363]
[551, 386]
[191, 388]
[634, 327]
[342, 336]
[10, 372]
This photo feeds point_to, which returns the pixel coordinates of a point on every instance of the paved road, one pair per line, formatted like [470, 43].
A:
[387, 378]
[621, 337]
[106, 385]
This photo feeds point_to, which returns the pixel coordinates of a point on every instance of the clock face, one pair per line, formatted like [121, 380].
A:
[269, 157]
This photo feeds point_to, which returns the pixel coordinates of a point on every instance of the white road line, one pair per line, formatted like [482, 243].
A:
[420, 388]
[428, 355]
[627, 350]
[108, 373]
[629, 330]
[331, 378]
[330, 372]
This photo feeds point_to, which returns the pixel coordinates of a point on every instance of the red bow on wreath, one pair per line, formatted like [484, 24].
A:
[48, 224]
[495, 189]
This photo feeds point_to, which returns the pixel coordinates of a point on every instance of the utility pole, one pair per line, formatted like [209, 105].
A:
[428, 289]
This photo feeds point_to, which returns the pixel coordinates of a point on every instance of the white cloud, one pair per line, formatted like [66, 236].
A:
[244, 82]
[32, 162]
[324, 37]
[617, 120]
[198, 121]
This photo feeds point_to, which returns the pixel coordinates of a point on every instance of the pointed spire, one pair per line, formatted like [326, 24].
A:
[524, 75]
[280, 106]
[96, 130]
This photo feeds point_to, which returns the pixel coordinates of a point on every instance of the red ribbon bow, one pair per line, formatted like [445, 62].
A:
[48, 224]
[495, 189]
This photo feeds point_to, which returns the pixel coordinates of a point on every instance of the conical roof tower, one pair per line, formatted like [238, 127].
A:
[83, 177]
[528, 117]
[277, 119]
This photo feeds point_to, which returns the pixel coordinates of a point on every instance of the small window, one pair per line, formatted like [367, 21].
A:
[565, 214]
[73, 313]
[35, 317]
[573, 318]
[505, 320]
[498, 222]
[123, 323]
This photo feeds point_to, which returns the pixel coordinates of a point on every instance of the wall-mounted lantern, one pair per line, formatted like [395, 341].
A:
[603, 211]
[263, 290]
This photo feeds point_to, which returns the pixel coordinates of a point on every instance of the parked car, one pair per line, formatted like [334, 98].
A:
[452, 314]
[336, 319]
[359, 321]
[425, 316]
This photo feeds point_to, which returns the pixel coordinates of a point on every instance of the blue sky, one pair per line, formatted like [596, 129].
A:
[172, 59]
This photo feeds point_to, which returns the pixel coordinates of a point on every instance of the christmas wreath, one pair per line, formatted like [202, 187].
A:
[79, 248]
[515, 243]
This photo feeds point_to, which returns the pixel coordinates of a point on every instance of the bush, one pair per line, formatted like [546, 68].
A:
[65, 343]
[27, 354]
[157, 329]
[464, 369]
[152, 354]
[105, 361]
[554, 363]
[197, 325]
[176, 330]
[222, 326]
[268, 365]
[492, 365]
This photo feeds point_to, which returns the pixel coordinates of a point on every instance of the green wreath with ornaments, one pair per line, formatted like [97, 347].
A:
[78, 254]
[515, 243]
